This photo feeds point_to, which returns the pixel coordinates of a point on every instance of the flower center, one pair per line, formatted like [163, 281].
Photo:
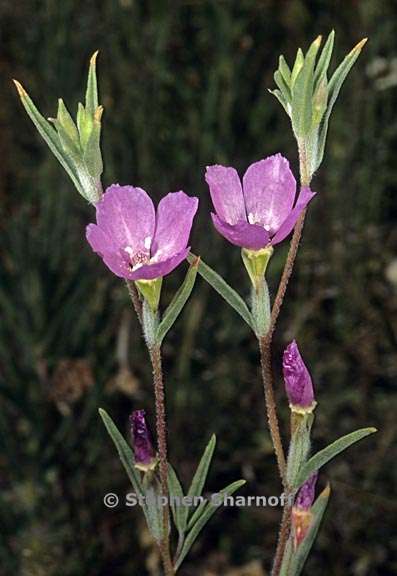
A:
[137, 259]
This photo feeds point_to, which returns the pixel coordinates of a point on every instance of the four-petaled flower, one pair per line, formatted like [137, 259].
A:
[261, 212]
[134, 241]
[298, 382]
[145, 456]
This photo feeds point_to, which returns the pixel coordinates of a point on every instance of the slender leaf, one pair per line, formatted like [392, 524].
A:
[325, 59]
[154, 513]
[325, 455]
[334, 86]
[299, 61]
[91, 95]
[281, 99]
[284, 70]
[299, 558]
[178, 302]
[180, 513]
[197, 513]
[125, 453]
[197, 485]
[203, 519]
[49, 135]
[302, 93]
[226, 291]
[282, 85]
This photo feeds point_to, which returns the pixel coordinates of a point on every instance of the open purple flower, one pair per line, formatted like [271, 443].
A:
[261, 211]
[298, 382]
[134, 241]
[145, 456]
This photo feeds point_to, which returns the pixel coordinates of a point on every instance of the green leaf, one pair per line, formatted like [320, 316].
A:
[334, 86]
[300, 556]
[324, 60]
[154, 513]
[178, 302]
[197, 513]
[91, 95]
[298, 64]
[125, 453]
[226, 291]
[203, 519]
[281, 99]
[66, 121]
[325, 455]
[49, 135]
[197, 485]
[282, 85]
[302, 93]
[284, 70]
[92, 152]
[179, 513]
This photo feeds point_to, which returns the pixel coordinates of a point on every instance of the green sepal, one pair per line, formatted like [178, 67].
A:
[301, 425]
[256, 262]
[151, 291]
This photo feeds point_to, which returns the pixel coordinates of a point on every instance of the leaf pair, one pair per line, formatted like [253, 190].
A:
[188, 520]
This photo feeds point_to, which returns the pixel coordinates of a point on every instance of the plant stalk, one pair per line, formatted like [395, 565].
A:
[161, 429]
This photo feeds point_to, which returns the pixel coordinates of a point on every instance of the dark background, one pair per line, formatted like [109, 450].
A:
[184, 84]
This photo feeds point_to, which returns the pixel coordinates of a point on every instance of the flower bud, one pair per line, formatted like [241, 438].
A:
[298, 382]
[301, 518]
[145, 456]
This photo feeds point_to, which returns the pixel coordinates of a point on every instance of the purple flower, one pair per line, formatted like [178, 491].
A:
[261, 211]
[145, 456]
[134, 241]
[305, 497]
[298, 382]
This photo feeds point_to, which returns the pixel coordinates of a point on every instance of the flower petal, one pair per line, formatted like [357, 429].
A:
[103, 245]
[151, 271]
[126, 214]
[286, 227]
[269, 192]
[226, 193]
[174, 220]
[242, 234]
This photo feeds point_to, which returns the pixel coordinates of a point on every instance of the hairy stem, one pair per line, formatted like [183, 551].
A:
[282, 538]
[267, 378]
[161, 429]
[136, 301]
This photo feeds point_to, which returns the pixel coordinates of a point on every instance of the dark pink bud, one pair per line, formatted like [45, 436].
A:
[145, 456]
[305, 497]
[298, 382]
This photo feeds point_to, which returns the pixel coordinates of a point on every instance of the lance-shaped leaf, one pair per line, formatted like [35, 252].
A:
[334, 86]
[91, 95]
[300, 556]
[302, 93]
[325, 455]
[198, 482]
[324, 59]
[209, 511]
[49, 135]
[125, 453]
[226, 291]
[178, 302]
[179, 511]
[154, 513]
[126, 456]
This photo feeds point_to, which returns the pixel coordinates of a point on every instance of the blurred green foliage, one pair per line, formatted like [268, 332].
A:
[184, 84]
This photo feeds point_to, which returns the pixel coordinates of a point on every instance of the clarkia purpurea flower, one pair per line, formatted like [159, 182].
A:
[145, 456]
[260, 212]
[134, 241]
[298, 382]
[301, 517]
